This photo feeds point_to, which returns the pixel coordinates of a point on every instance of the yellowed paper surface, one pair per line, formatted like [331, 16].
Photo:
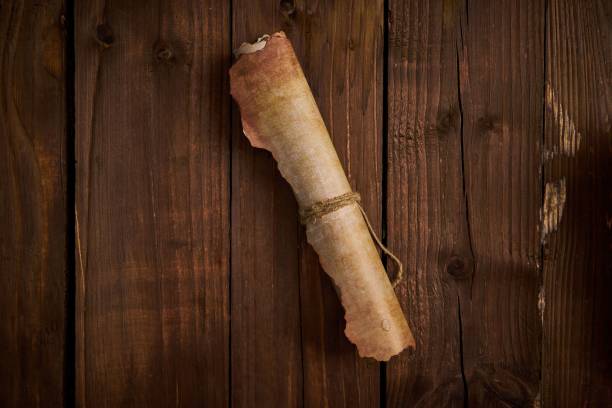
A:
[279, 114]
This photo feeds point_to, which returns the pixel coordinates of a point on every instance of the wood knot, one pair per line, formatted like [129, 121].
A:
[495, 384]
[104, 35]
[287, 8]
[457, 269]
[163, 52]
[447, 120]
[489, 124]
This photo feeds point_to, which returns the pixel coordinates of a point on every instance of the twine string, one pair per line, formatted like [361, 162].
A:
[321, 208]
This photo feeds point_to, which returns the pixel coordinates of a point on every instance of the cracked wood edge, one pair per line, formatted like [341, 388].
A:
[427, 221]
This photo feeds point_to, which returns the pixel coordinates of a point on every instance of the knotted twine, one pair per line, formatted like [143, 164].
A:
[321, 208]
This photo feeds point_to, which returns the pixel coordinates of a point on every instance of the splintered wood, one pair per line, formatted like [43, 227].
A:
[279, 114]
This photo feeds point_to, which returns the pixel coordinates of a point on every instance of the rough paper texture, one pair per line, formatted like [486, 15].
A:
[279, 114]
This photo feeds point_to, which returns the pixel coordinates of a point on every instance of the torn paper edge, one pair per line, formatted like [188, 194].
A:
[249, 48]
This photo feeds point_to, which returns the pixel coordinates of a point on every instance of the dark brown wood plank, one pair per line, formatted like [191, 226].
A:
[153, 139]
[577, 346]
[276, 278]
[501, 81]
[32, 203]
[265, 342]
[465, 124]
[427, 218]
[341, 49]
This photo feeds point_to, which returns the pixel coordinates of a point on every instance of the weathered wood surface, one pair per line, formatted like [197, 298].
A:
[288, 343]
[194, 282]
[465, 117]
[32, 204]
[265, 332]
[152, 220]
[341, 50]
[427, 221]
[577, 343]
[501, 66]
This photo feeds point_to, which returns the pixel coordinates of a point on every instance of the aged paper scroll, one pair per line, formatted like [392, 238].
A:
[279, 114]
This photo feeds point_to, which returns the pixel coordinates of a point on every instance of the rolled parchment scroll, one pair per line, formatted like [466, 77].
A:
[279, 114]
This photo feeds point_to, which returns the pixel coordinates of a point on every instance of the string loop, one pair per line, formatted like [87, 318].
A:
[321, 208]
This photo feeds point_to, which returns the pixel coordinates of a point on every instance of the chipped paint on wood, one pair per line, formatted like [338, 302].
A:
[554, 202]
[569, 137]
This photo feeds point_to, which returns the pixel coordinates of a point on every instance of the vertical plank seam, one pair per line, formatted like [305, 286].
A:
[301, 317]
[542, 191]
[466, 201]
[460, 322]
[300, 256]
[382, 387]
[461, 355]
[69, 385]
[230, 187]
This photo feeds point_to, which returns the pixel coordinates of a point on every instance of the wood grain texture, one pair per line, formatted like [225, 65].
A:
[278, 288]
[427, 218]
[465, 123]
[32, 204]
[501, 69]
[348, 90]
[152, 205]
[266, 340]
[577, 346]
[498, 203]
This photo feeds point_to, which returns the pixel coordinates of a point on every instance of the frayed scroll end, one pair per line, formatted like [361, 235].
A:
[392, 338]
[248, 50]
[260, 44]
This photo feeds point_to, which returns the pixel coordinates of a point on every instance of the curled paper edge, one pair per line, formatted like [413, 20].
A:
[249, 48]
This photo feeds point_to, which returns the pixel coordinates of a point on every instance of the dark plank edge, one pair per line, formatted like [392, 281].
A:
[70, 165]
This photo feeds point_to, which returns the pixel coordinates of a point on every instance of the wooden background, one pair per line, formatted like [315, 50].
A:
[150, 257]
